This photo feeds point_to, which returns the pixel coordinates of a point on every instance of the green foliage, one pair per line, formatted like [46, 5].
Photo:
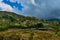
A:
[10, 20]
[39, 25]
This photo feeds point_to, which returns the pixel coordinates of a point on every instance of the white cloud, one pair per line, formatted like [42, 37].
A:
[5, 7]
[13, 0]
[0, 0]
[33, 2]
[38, 8]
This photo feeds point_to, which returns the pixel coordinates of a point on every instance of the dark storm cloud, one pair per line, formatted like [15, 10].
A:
[45, 9]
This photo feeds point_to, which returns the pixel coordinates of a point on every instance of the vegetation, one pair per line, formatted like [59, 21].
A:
[20, 28]
[12, 20]
[20, 34]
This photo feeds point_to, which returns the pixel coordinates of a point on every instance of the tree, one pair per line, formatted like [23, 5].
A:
[39, 25]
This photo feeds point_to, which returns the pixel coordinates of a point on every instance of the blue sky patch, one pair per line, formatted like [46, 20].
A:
[13, 4]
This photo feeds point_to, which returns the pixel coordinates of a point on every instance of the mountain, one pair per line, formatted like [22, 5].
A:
[9, 17]
[54, 19]
[13, 19]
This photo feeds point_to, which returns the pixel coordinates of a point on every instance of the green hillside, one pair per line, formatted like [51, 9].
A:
[9, 18]
[13, 27]
[13, 20]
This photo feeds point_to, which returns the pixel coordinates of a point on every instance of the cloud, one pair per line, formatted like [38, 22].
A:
[13, 0]
[32, 8]
[33, 2]
[16, 7]
[39, 8]
[1, 0]
[5, 7]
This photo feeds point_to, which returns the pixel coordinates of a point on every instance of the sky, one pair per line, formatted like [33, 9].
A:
[45, 9]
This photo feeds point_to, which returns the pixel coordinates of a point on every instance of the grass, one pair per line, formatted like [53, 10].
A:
[20, 34]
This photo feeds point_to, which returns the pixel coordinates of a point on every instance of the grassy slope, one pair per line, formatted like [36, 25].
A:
[11, 19]
[17, 34]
